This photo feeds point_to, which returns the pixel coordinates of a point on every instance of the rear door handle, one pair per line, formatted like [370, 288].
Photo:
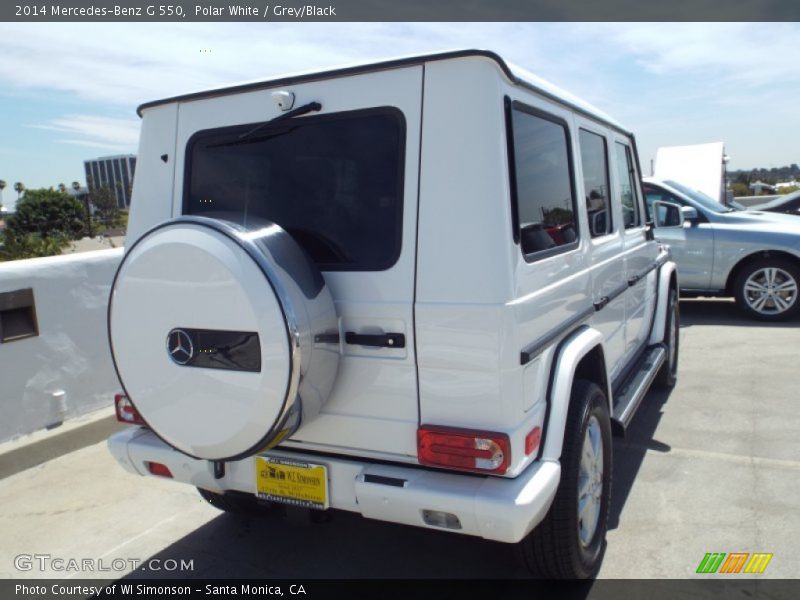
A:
[381, 340]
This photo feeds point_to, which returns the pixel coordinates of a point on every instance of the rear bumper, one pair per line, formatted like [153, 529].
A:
[494, 508]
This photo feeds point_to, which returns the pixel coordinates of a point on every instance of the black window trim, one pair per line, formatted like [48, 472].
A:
[612, 220]
[510, 106]
[318, 118]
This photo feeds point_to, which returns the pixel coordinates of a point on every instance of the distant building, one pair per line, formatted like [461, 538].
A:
[116, 172]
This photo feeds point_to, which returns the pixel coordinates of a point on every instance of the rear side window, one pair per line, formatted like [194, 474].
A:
[594, 158]
[631, 216]
[333, 182]
[543, 199]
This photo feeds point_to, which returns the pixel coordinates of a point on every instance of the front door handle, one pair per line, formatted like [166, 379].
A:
[381, 340]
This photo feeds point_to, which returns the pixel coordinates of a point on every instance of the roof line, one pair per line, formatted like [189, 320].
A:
[382, 66]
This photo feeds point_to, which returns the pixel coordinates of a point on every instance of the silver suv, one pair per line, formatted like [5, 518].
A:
[751, 255]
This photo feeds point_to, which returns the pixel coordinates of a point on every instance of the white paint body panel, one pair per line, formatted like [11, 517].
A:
[461, 292]
[504, 510]
[154, 178]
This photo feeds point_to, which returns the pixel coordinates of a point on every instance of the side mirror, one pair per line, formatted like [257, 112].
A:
[689, 213]
[668, 215]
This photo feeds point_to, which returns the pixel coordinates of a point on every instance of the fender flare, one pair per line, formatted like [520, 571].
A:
[565, 362]
[665, 273]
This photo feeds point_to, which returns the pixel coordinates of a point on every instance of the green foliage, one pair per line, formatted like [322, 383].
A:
[771, 176]
[788, 189]
[105, 201]
[48, 214]
[121, 221]
[740, 189]
[30, 245]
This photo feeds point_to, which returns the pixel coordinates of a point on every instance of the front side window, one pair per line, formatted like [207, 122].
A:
[631, 216]
[657, 194]
[543, 191]
[333, 182]
[594, 158]
[654, 194]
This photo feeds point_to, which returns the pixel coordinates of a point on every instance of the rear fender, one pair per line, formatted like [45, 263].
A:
[666, 273]
[569, 355]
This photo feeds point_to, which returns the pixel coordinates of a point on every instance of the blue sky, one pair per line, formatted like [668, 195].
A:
[68, 92]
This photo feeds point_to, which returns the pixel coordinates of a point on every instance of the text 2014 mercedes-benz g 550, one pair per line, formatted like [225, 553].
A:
[421, 290]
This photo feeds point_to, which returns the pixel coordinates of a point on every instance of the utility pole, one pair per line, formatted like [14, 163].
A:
[89, 227]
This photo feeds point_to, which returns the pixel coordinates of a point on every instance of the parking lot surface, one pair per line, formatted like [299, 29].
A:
[713, 466]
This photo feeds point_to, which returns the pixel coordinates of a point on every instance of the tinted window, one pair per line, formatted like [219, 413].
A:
[545, 201]
[594, 159]
[656, 194]
[653, 193]
[702, 199]
[627, 187]
[335, 183]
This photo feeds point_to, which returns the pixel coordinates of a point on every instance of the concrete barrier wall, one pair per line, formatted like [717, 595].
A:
[66, 370]
[751, 200]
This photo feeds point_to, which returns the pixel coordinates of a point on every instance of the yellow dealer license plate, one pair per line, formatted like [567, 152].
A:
[292, 482]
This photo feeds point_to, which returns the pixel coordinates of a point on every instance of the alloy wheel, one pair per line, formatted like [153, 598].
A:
[590, 482]
[770, 291]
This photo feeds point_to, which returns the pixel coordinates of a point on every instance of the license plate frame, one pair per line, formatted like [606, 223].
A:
[293, 482]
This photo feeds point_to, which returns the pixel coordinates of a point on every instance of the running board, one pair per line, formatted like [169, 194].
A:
[635, 387]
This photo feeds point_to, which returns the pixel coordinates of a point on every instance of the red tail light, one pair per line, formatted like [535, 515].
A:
[532, 440]
[464, 449]
[126, 413]
[158, 469]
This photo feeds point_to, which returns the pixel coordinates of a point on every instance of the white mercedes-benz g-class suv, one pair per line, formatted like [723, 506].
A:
[423, 290]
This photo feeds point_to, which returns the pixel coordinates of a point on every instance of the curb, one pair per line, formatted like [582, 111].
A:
[40, 447]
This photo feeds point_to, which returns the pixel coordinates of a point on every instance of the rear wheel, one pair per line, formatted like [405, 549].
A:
[570, 542]
[237, 503]
[767, 289]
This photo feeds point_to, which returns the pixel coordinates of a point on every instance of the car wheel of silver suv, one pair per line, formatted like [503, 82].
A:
[767, 289]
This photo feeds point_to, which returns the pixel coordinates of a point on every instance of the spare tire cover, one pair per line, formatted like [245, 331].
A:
[212, 328]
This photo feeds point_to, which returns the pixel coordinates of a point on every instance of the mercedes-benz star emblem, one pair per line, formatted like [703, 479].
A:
[179, 346]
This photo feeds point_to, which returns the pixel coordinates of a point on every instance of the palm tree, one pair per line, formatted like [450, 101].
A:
[62, 188]
[19, 187]
[2, 187]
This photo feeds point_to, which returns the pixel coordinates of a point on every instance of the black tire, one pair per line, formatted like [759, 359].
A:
[667, 376]
[772, 309]
[554, 550]
[237, 503]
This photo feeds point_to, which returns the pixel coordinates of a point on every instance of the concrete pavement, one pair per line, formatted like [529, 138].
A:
[711, 467]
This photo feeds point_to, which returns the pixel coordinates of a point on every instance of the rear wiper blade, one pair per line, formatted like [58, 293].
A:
[300, 110]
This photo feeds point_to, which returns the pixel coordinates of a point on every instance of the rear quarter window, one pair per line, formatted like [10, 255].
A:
[543, 195]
